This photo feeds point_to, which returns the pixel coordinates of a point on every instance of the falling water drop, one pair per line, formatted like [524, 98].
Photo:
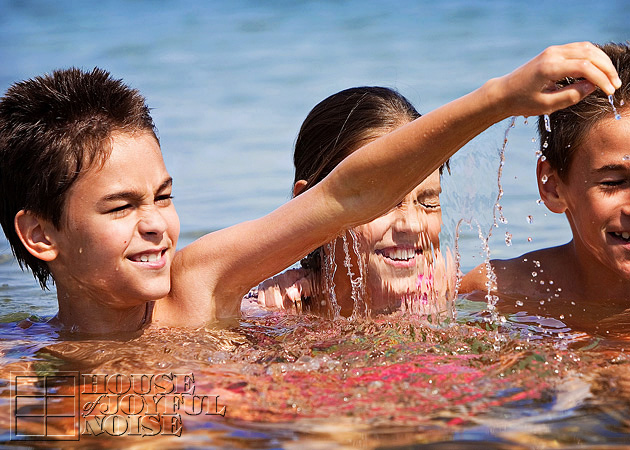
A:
[530, 219]
[508, 238]
[547, 123]
[544, 179]
[626, 157]
[519, 303]
[543, 158]
[529, 239]
[612, 103]
[539, 201]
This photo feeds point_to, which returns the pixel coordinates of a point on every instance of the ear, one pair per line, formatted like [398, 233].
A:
[32, 231]
[549, 187]
[299, 187]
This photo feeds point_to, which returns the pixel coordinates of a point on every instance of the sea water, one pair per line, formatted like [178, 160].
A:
[229, 84]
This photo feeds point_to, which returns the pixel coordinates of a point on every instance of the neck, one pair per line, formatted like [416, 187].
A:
[92, 317]
[595, 281]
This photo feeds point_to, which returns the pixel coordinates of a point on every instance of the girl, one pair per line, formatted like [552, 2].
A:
[397, 251]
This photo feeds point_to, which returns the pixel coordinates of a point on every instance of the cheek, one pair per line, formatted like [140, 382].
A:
[173, 224]
[372, 233]
[433, 228]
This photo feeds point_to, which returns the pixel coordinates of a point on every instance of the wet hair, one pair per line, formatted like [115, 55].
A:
[340, 125]
[570, 126]
[53, 128]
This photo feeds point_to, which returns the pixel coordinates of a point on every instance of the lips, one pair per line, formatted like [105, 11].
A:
[399, 256]
[151, 257]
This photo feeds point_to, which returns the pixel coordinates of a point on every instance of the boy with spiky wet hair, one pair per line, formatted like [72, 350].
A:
[584, 172]
[87, 197]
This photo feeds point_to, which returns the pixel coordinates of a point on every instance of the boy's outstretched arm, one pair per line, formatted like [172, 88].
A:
[210, 276]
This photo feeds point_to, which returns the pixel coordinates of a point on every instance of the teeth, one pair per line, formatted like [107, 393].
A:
[401, 254]
[624, 235]
[149, 258]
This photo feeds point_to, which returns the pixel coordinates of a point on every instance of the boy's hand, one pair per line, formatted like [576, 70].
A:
[531, 89]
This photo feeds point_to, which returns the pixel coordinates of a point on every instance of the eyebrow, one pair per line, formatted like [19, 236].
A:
[428, 192]
[611, 168]
[135, 195]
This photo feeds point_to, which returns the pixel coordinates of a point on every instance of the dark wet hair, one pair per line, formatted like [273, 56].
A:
[340, 125]
[52, 129]
[570, 126]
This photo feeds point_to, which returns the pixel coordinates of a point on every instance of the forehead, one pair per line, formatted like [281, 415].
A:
[430, 186]
[607, 141]
[135, 161]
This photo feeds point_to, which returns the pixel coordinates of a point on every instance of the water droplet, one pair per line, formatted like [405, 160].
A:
[545, 144]
[547, 123]
[529, 239]
[561, 316]
[508, 238]
[534, 274]
[626, 157]
[539, 201]
[612, 103]
[536, 263]
[550, 281]
[525, 121]
[530, 219]
[519, 303]
[542, 302]
[533, 139]
[622, 102]
[544, 179]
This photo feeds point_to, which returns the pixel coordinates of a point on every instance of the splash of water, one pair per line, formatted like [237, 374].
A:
[360, 308]
[612, 103]
[547, 123]
[330, 268]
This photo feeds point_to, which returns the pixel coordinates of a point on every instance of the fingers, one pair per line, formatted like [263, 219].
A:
[581, 60]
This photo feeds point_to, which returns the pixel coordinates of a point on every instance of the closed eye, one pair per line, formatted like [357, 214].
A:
[164, 199]
[612, 183]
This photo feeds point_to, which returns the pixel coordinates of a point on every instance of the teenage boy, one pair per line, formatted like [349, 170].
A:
[584, 172]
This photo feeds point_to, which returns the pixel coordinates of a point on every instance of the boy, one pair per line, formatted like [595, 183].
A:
[86, 199]
[584, 173]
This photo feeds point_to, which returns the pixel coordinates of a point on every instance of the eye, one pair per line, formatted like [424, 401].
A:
[164, 200]
[120, 210]
[430, 205]
[612, 183]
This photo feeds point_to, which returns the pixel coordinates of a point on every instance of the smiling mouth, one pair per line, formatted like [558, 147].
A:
[397, 254]
[148, 257]
[624, 235]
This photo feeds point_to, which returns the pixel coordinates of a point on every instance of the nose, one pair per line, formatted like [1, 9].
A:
[152, 223]
[410, 220]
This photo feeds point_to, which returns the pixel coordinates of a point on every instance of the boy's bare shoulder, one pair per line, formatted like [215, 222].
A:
[522, 275]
